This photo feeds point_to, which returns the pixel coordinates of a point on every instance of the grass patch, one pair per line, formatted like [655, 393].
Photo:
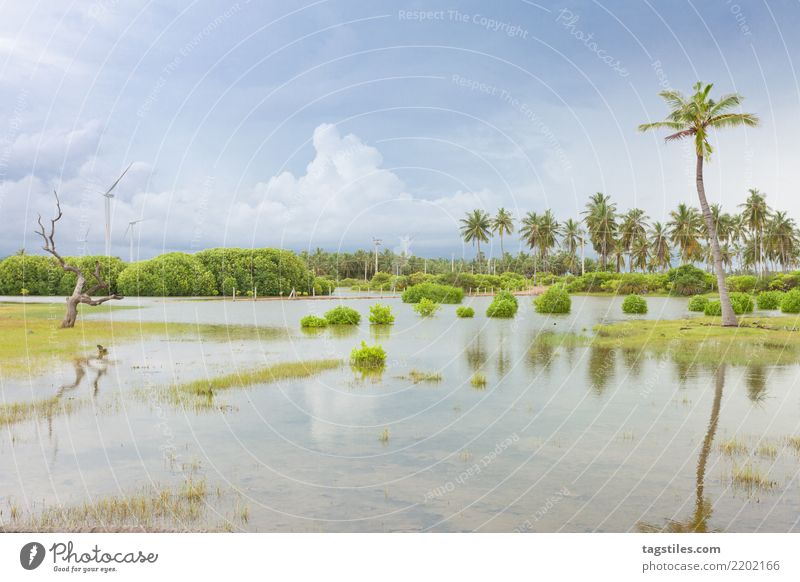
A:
[384, 436]
[15, 412]
[418, 376]
[733, 447]
[751, 479]
[478, 380]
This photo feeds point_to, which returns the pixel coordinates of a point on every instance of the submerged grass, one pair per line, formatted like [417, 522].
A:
[419, 376]
[16, 412]
[732, 447]
[751, 479]
[478, 380]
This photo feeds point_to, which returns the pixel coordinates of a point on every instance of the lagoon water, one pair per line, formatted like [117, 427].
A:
[562, 438]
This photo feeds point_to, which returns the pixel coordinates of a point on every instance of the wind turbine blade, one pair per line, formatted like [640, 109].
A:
[127, 229]
[114, 185]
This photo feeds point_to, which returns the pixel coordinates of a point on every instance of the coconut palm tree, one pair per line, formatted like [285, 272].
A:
[601, 223]
[502, 224]
[756, 213]
[633, 226]
[531, 234]
[640, 254]
[549, 230]
[572, 239]
[659, 247]
[685, 230]
[476, 228]
[780, 238]
[694, 117]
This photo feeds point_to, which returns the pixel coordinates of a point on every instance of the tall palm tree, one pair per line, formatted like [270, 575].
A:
[549, 230]
[531, 233]
[640, 254]
[476, 228]
[601, 223]
[756, 213]
[633, 226]
[685, 230]
[780, 239]
[695, 117]
[502, 224]
[572, 239]
[659, 247]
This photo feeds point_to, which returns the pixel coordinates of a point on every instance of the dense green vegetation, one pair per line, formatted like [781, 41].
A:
[368, 356]
[769, 299]
[698, 303]
[380, 314]
[741, 303]
[426, 307]
[504, 305]
[554, 300]
[791, 302]
[634, 304]
[434, 292]
[464, 311]
[343, 315]
[42, 275]
[312, 321]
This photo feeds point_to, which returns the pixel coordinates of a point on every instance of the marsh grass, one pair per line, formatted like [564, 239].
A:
[418, 376]
[751, 479]
[384, 436]
[732, 447]
[767, 450]
[16, 412]
[478, 380]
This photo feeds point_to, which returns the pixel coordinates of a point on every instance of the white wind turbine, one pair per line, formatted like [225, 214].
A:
[108, 194]
[130, 232]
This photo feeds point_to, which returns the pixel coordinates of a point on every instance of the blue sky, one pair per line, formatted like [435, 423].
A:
[326, 123]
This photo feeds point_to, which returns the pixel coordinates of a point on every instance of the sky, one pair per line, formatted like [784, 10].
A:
[326, 123]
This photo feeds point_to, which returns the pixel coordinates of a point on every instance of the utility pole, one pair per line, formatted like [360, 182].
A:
[376, 243]
[452, 262]
[583, 258]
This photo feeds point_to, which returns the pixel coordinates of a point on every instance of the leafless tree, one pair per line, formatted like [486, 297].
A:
[80, 294]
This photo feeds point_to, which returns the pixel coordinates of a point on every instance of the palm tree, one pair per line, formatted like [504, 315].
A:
[780, 240]
[632, 228]
[549, 230]
[685, 229]
[572, 238]
[502, 224]
[659, 247]
[531, 234]
[756, 213]
[475, 228]
[640, 254]
[619, 251]
[601, 223]
[695, 117]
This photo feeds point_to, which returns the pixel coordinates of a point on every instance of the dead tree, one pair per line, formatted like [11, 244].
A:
[79, 294]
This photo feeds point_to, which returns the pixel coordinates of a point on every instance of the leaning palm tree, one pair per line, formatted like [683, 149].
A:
[695, 117]
[475, 229]
[756, 213]
[601, 223]
[660, 254]
[502, 224]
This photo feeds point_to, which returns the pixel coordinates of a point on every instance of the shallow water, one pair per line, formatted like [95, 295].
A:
[561, 439]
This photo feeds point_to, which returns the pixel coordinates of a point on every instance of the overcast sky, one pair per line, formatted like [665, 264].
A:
[327, 123]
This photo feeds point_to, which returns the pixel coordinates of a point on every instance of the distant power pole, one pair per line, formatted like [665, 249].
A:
[376, 243]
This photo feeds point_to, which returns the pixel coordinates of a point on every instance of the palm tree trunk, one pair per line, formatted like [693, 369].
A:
[502, 251]
[728, 316]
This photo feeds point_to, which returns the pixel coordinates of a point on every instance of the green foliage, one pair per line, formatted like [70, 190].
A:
[426, 307]
[464, 311]
[169, 275]
[381, 281]
[368, 356]
[791, 301]
[381, 314]
[591, 282]
[698, 303]
[769, 299]
[42, 275]
[313, 321]
[323, 286]
[269, 271]
[554, 300]
[689, 280]
[434, 292]
[741, 302]
[503, 305]
[343, 315]
[713, 308]
[634, 304]
[743, 283]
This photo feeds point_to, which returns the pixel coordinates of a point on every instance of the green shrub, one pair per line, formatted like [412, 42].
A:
[769, 299]
[169, 275]
[742, 283]
[741, 302]
[313, 321]
[713, 308]
[425, 307]
[791, 301]
[465, 311]
[368, 356]
[698, 303]
[380, 281]
[268, 271]
[381, 314]
[503, 308]
[434, 292]
[554, 300]
[343, 316]
[689, 280]
[634, 304]
[323, 286]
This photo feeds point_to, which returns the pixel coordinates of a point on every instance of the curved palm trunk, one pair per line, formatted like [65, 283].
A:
[728, 316]
[702, 510]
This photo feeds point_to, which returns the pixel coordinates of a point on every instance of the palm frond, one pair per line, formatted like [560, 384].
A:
[680, 134]
[661, 125]
[733, 120]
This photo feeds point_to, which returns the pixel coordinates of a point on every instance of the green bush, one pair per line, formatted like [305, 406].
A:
[634, 304]
[791, 301]
[381, 280]
[323, 286]
[554, 300]
[343, 316]
[742, 283]
[464, 281]
[42, 275]
[769, 299]
[698, 303]
[426, 307]
[268, 271]
[713, 308]
[504, 304]
[689, 280]
[313, 321]
[465, 311]
[434, 292]
[381, 314]
[741, 302]
[169, 275]
[368, 356]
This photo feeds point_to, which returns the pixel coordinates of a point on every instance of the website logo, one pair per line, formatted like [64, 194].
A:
[31, 555]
